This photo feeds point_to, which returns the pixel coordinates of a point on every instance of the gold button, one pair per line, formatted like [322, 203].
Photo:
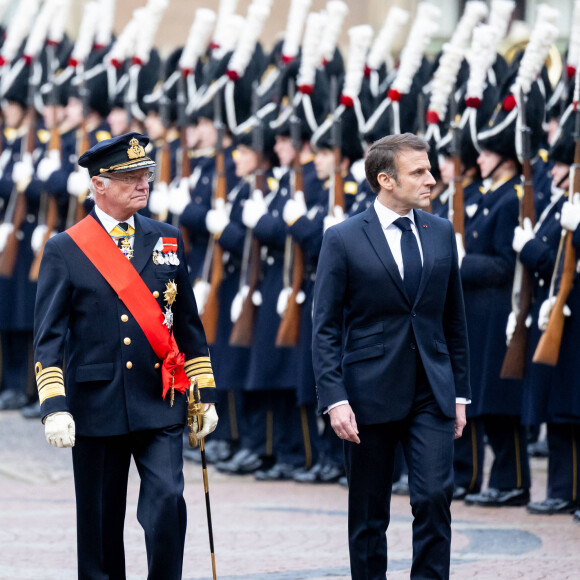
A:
[124, 318]
[156, 365]
[129, 364]
[155, 294]
[127, 341]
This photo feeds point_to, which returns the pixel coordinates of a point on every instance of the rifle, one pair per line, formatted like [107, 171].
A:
[76, 211]
[164, 171]
[336, 192]
[243, 329]
[17, 204]
[548, 348]
[289, 329]
[456, 205]
[214, 253]
[184, 168]
[48, 206]
[515, 358]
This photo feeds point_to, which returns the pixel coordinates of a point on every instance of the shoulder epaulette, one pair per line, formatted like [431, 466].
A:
[102, 135]
[350, 187]
[43, 136]
[273, 183]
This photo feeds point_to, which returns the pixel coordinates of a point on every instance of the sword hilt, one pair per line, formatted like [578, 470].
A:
[194, 410]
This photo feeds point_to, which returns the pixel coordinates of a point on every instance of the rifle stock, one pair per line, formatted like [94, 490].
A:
[51, 217]
[18, 198]
[458, 200]
[548, 349]
[514, 362]
[289, 329]
[209, 318]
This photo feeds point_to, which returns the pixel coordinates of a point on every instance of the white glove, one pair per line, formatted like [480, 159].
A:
[210, 421]
[218, 218]
[522, 235]
[546, 310]
[254, 209]
[237, 303]
[282, 303]
[471, 209]
[48, 165]
[179, 197]
[59, 430]
[37, 237]
[23, 170]
[571, 214]
[460, 249]
[5, 230]
[201, 292]
[336, 218]
[294, 209]
[78, 182]
[159, 199]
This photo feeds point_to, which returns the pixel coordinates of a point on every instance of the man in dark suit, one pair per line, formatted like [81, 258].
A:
[114, 301]
[390, 355]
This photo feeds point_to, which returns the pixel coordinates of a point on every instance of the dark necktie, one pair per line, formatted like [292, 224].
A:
[125, 227]
[412, 265]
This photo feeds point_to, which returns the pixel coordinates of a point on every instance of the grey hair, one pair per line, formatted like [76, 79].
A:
[106, 184]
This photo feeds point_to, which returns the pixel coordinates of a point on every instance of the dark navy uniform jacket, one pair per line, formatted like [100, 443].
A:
[359, 292]
[113, 376]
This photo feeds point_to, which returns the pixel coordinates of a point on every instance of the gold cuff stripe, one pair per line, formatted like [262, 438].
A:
[197, 369]
[197, 362]
[53, 390]
[205, 381]
[50, 383]
[48, 379]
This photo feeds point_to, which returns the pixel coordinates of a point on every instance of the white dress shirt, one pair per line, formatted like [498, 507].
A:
[393, 235]
[109, 222]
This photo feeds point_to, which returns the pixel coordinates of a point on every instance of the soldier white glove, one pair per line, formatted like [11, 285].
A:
[201, 292]
[78, 182]
[37, 237]
[460, 249]
[179, 197]
[23, 170]
[254, 209]
[237, 303]
[210, 421]
[471, 209]
[546, 310]
[48, 165]
[282, 303]
[511, 326]
[59, 430]
[522, 235]
[218, 218]
[5, 230]
[571, 214]
[336, 218]
[159, 199]
[294, 209]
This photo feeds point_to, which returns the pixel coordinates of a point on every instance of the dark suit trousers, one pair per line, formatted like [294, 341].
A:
[101, 469]
[427, 439]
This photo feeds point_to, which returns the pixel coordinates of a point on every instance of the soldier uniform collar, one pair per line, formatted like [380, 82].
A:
[109, 222]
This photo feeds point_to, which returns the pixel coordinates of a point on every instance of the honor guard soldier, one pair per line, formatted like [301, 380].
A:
[114, 301]
[552, 394]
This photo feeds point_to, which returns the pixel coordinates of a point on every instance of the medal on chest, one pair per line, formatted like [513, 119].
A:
[126, 248]
[165, 252]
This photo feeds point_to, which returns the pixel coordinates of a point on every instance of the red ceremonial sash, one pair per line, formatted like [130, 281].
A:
[104, 254]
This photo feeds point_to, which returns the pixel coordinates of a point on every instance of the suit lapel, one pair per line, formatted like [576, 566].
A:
[145, 240]
[376, 236]
[427, 246]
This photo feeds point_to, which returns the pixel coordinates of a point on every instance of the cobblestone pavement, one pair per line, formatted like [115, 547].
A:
[263, 531]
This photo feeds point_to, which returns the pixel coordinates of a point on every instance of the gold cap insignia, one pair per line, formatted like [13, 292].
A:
[135, 151]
